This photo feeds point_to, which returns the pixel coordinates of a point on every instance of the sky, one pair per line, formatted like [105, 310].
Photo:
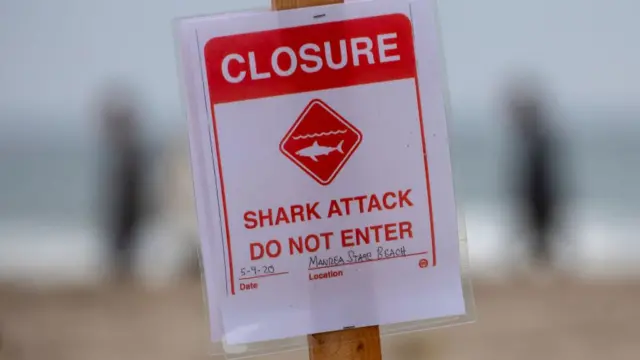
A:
[57, 54]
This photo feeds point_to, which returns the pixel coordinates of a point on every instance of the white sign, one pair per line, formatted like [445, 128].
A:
[321, 162]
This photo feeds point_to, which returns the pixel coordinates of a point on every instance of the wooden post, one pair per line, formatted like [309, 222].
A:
[351, 344]
[292, 4]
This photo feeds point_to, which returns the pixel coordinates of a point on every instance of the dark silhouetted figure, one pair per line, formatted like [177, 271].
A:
[123, 178]
[537, 171]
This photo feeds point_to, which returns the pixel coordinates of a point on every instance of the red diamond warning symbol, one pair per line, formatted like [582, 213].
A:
[321, 142]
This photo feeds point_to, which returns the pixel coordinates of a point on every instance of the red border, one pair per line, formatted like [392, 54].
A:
[295, 126]
[426, 169]
[224, 199]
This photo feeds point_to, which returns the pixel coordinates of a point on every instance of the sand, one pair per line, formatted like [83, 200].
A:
[567, 319]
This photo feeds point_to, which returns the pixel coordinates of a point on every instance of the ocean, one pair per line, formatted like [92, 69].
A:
[50, 196]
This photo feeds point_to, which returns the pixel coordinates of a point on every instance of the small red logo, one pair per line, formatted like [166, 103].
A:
[423, 263]
[321, 142]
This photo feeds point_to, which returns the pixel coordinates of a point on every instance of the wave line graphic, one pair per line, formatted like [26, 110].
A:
[315, 135]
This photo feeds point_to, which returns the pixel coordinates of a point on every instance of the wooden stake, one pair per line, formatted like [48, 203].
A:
[293, 4]
[352, 344]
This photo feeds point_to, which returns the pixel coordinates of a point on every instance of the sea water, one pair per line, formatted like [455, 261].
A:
[50, 196]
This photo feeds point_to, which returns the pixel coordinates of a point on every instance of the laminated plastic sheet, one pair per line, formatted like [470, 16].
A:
[322, 173]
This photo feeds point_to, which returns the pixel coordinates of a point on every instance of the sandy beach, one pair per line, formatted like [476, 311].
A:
[567, 319]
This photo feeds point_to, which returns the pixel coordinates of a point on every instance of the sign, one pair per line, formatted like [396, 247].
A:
[317, 124]
[322, 170]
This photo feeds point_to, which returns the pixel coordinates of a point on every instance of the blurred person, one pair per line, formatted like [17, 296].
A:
[170, 241]
[123, 176]
[536, 175]
[179, 199]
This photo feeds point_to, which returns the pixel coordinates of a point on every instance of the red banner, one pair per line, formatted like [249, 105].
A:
[310, 58]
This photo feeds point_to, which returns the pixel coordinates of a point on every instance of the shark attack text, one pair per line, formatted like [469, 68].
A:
[343, 238]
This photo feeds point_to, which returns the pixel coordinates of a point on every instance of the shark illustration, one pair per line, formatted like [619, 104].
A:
[316, 150]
